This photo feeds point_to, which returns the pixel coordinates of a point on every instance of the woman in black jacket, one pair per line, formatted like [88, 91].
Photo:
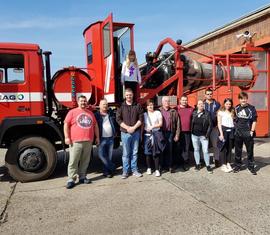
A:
[201, 126]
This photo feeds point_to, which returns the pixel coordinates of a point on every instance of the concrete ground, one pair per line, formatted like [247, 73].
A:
[180, 203]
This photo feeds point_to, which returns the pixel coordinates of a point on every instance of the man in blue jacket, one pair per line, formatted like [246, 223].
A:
[212, 106]
[106, 123]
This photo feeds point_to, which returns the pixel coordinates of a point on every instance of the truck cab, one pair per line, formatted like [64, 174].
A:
[107, 43]
[21, 89]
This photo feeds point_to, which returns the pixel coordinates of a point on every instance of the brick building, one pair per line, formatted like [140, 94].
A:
[225, 40]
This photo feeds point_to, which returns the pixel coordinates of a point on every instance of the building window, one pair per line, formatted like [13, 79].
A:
[11, 68]
[258, 99]
[260, 57]
[106, 40]
[89, 53]
[261, 82]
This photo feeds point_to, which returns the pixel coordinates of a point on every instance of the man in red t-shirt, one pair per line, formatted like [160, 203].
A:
[185, 114]
[80, 128]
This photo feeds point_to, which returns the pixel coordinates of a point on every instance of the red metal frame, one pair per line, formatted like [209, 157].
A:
[225, 60]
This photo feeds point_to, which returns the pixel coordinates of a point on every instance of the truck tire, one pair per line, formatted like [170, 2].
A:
[31, 158]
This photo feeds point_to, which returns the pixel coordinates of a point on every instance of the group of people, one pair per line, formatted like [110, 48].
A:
[167, 134]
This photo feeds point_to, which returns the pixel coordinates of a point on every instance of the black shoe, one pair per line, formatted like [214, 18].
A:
[185, 166]
[209, 169]
[217, 164]
[252, 170]
[197, 167]
[171, 170]
[109, 175]
[85, 181]
[236, 169]
[70, 184]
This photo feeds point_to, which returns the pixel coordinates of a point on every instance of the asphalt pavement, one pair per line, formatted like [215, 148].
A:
[181, 203]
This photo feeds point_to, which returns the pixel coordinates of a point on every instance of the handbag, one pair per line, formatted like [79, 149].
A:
[158, 140]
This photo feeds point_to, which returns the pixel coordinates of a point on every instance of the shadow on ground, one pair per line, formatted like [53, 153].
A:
[96, 166]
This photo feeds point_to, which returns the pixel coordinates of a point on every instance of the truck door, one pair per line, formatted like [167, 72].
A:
[108, 59]
[14, 87]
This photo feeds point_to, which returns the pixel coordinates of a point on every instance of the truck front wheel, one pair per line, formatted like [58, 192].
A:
[31, 159]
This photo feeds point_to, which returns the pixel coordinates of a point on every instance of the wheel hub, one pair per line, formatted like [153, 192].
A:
[31, 159]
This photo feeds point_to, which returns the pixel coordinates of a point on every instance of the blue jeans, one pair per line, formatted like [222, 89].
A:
[130, 143]
[197, 141]
[105, 150]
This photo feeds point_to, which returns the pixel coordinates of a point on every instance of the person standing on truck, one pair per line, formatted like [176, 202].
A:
[129, 116]
[185, 114]
[80, 128]
[130, 75]
[245, 126]
[212, 106]
[171, 130]
[107, 132]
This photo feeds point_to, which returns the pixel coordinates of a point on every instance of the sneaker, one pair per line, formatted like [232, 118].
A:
[224, 168]
[124, 176]
[236, 169]
[157, 173]
[70, 184]
[197, 167]
[85, 181]
[148, 171]
[230, 169]
[209, 169]
[252, 170]
[137, 174]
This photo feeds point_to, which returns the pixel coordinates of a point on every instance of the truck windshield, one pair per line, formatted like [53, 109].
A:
[123, 36]
[11, 68]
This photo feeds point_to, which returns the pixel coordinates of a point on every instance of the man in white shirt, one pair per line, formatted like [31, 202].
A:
[106, 123]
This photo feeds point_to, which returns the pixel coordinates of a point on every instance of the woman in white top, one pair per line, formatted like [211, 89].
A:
[130, 75]
[152, 122]
[225, 117]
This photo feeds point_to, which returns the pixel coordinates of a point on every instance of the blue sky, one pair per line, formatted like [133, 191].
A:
[57, 25]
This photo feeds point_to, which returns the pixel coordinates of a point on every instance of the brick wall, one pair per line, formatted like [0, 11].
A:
[228, 41]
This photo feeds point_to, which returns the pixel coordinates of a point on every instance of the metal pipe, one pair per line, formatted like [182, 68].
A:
[48, 81]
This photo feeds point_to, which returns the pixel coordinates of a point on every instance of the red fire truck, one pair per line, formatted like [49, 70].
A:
[32, 108]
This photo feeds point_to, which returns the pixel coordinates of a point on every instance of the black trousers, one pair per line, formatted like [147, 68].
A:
[155, 159]
[226, 154]
[249, 143]
[166, 157]
[184, 145]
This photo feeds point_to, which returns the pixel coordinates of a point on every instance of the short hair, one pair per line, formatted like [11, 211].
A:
[129, 90]
[242, 95]
[208, 90]
[82, 97]
[183, 96]
[103, 99]
[149, 101]
[165, 97]
[199, 100]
